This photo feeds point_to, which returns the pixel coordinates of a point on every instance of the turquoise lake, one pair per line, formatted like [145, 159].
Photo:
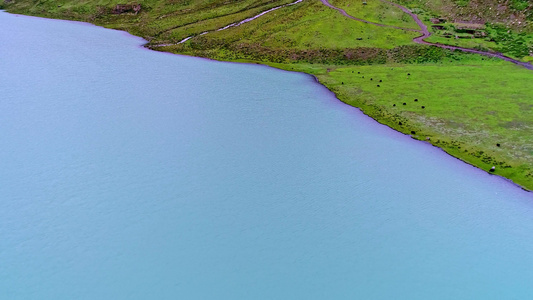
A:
[131, 174]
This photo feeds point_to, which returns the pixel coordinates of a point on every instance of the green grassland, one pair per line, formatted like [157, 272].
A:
[466, 109]
[477, 109]
[377, 11]
[311, 25]
[308, 31]
[470, 103]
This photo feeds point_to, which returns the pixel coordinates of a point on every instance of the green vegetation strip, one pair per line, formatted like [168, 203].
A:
[481, 113]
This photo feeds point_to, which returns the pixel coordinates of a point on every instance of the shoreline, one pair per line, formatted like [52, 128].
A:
[315, 78]
[408, 135]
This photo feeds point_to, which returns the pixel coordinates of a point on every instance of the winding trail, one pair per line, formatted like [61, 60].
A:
[425, 34]
[344, 13]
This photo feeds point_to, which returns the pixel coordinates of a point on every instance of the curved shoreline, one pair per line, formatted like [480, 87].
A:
[316, 80]
[266, 64]
[408, 135]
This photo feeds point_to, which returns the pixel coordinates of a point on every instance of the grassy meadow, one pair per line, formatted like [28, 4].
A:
[480, 112]
[475, 108]
[377, 11]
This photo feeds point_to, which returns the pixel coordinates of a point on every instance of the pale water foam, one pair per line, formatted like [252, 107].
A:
[132, 174]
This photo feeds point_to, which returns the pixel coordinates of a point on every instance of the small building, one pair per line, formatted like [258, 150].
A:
[438, 20]
[464, 29]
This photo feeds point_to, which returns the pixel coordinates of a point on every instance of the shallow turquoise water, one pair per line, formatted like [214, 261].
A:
[131, 174]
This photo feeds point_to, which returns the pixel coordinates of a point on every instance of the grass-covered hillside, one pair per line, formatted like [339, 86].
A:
[476, 108]
[496, 25]
[155, 18]
[515, 13]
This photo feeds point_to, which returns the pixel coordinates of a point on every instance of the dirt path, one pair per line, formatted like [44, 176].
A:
[425, 34]
[344, 13]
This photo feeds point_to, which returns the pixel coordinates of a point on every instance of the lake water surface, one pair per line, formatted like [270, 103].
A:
[132, 174]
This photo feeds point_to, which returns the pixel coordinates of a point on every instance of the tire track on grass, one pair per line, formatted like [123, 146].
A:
[230, 25]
